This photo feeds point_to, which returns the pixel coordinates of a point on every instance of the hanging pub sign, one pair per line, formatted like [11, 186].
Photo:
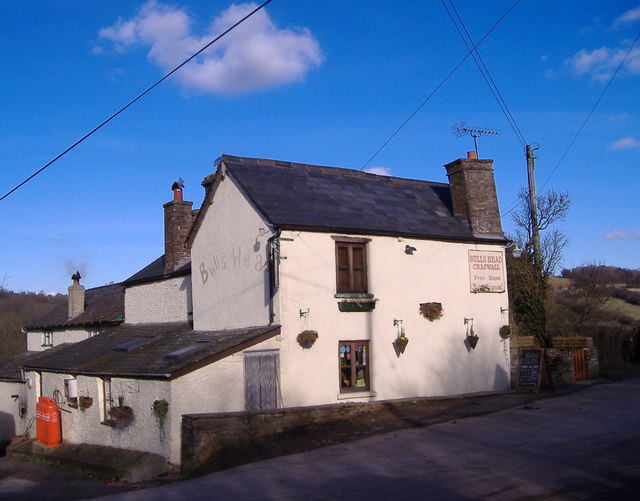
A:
[486, 271]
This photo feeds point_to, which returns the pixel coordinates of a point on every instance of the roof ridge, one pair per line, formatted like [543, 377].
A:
[359, 173]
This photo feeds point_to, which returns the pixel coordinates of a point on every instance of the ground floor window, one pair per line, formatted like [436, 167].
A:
[354, 365]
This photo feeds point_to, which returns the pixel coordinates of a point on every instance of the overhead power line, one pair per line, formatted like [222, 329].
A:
[484, 71]
[437, 88]
[615, 73]
[514, 205]
[133, 101]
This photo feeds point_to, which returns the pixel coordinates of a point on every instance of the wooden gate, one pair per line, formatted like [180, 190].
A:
[579, 364]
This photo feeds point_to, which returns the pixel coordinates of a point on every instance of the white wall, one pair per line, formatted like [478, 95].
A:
[11, 423]
[437, 360]
[218, 387]
[60, 336]
[144, 433]
[229, 264]
[161, 301]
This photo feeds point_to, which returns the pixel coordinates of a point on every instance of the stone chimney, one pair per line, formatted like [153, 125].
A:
[473, 193]
[76, 296]
[177, 223]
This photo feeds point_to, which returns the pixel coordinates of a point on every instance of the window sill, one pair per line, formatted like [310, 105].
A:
[350, 395]
[353, 295]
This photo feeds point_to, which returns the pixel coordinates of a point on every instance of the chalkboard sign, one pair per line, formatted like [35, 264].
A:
[530, 371]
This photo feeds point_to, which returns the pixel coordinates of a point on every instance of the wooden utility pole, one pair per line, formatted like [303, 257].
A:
[534, 210]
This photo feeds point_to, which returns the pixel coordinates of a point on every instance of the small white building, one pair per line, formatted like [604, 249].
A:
[278, 249]
[87, 314]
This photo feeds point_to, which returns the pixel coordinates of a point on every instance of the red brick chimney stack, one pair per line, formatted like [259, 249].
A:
[76, 296]
[473, 193]
[177, 223]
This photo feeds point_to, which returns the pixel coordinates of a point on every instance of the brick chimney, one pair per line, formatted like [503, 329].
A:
[76, 296]
[473, 193]
[177, 223]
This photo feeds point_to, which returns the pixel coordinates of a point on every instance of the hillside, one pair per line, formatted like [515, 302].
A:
[18, 309]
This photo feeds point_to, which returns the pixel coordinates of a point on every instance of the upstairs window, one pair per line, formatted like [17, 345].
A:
[351, 266]
[47, 338]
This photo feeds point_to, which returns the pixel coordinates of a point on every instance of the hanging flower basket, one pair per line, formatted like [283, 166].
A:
[85, 402]
[507, 330]
[306, 338]
[431, 311]
[123, 413]
[401, 343]
[472, 340]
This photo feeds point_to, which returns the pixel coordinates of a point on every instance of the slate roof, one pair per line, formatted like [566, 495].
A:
[10, 369]
[311, 197]
[155, 271]
[102, 305]
[157, 351]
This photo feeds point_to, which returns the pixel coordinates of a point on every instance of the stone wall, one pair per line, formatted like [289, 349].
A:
[559, 366]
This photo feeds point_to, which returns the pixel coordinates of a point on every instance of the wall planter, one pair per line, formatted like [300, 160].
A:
[401, 340]
[431, 311]
[472, 338]
[401, 343]
[306, 338]
[84, 402]
[356, 302]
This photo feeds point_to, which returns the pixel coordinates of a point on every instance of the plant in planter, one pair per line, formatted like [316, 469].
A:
[507, 330]
[472, 338]
[306, 338]
[160, 410]
[431, 311]
[84, 402]
[402, 340]
[121, 412]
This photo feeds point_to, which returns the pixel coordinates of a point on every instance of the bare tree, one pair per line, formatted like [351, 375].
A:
[528, 281]
[553, 207]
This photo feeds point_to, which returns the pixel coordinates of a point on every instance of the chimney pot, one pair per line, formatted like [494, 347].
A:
[472, 155]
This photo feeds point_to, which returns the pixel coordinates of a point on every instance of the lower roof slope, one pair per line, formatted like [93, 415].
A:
[158, 351]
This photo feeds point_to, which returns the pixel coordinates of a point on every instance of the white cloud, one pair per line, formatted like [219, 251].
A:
[254, 56]
[631, 16]
[381, 171]
[625, 143]
[635, 235]
[601, 63]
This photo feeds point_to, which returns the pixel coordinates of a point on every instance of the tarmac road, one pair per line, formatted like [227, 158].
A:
[584, 445]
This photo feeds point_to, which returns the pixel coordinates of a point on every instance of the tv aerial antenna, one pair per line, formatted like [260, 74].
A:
[460, 129]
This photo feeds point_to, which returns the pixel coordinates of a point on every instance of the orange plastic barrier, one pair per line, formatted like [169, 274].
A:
[48, 430]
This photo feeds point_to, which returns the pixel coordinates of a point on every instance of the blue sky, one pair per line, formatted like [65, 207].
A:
[322, 82]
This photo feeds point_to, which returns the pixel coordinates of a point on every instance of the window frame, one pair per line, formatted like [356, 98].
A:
[351, 243]
[47, 338]
[354, 366]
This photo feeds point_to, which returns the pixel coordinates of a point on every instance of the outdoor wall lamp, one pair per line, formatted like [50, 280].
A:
[409, 250]
[516, 252]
